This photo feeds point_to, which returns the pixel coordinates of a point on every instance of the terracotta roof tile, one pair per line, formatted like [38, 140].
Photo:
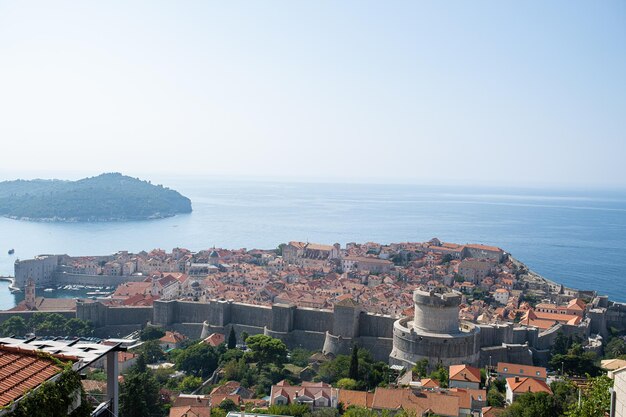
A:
[21, 371]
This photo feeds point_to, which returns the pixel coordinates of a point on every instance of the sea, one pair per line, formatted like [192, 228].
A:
[576, 237]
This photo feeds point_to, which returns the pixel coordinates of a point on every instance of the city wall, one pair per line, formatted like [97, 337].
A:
[309, 328]
[62, 278]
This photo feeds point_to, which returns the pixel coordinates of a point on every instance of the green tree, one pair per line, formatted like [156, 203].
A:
[232, 338]
[560, 345]
[531, 404]
[615, 348]
[595, 401]
[151, 351]
[564, 394]
[322, 412]
[373, 373]
[300, 357]
[420, 369]
[440, 374]
[139, 394]
[218, 412]
[189, 383]
[360, 412]
[267, 350]
[78, 328]
[47, 324]
[347, 383]
[151, 333]
[495, 398]
[244, 336]
[296, 410]
[198, 360]
[576, 361]
[14, 326]
[228, 405]
[353, 373]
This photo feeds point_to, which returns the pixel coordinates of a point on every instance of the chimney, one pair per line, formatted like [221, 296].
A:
[517, 379]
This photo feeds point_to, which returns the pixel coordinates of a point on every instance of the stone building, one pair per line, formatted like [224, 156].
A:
[618, 393]
[435, 333]
[40, 269]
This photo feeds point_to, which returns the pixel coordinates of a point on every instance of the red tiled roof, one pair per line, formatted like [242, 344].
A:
[190, 411]
[357, 398]
[22, 371]
[521, 385]
[522, 370]
[215, 339]
[464, 373]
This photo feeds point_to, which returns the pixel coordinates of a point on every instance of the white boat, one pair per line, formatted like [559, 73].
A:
[48, 289]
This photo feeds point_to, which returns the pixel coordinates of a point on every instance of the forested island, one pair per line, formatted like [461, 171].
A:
[106, 197]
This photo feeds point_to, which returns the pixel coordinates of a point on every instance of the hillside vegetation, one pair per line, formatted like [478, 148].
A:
[107, 197]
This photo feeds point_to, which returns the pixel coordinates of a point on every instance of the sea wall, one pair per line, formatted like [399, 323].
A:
[62, 278]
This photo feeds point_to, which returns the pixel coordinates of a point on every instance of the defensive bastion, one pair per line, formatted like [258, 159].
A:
[434, 332]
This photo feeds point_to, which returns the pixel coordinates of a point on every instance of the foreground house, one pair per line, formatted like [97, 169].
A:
[27, 365]
[511, 370]
[517, 386]
[315, 394]
[464, 376]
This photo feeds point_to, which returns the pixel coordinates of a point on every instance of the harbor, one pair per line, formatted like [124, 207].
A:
[10, 296]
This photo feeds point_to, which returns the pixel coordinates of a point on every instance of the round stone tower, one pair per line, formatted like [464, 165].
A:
[435, 333]
[436, 311]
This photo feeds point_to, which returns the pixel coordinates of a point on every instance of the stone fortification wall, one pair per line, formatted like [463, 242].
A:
[191, 312]
[376, 325]
[251, 315]
[495, 335]
[298, 327]
[506, 353]
[521, 335]
[104, 316]
[310, 319]
[616, 316]
[346, 320]
[379, 347]
[336, 345]
[191, 330]
[410, 346]
[40, 269]
[60, 278]
[545, 340]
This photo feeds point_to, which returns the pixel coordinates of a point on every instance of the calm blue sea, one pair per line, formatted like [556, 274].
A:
[574, 237]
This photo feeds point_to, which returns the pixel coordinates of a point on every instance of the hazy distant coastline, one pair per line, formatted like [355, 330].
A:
[104, 198]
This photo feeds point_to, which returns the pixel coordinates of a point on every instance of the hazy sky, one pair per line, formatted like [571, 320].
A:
[527, 92]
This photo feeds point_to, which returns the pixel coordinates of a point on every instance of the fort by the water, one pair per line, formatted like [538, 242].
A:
[433, 331]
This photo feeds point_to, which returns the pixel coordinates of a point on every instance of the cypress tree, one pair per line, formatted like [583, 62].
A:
[232, 339]
[354, 364]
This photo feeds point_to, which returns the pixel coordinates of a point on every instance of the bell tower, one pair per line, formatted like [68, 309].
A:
[30, 294]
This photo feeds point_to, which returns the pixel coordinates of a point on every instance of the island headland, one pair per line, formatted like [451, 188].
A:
[106, 197]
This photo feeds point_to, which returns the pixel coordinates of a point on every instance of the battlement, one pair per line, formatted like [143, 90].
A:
[440, 297]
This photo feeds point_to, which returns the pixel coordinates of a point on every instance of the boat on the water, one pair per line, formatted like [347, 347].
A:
[48, 289]
[11, 251]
